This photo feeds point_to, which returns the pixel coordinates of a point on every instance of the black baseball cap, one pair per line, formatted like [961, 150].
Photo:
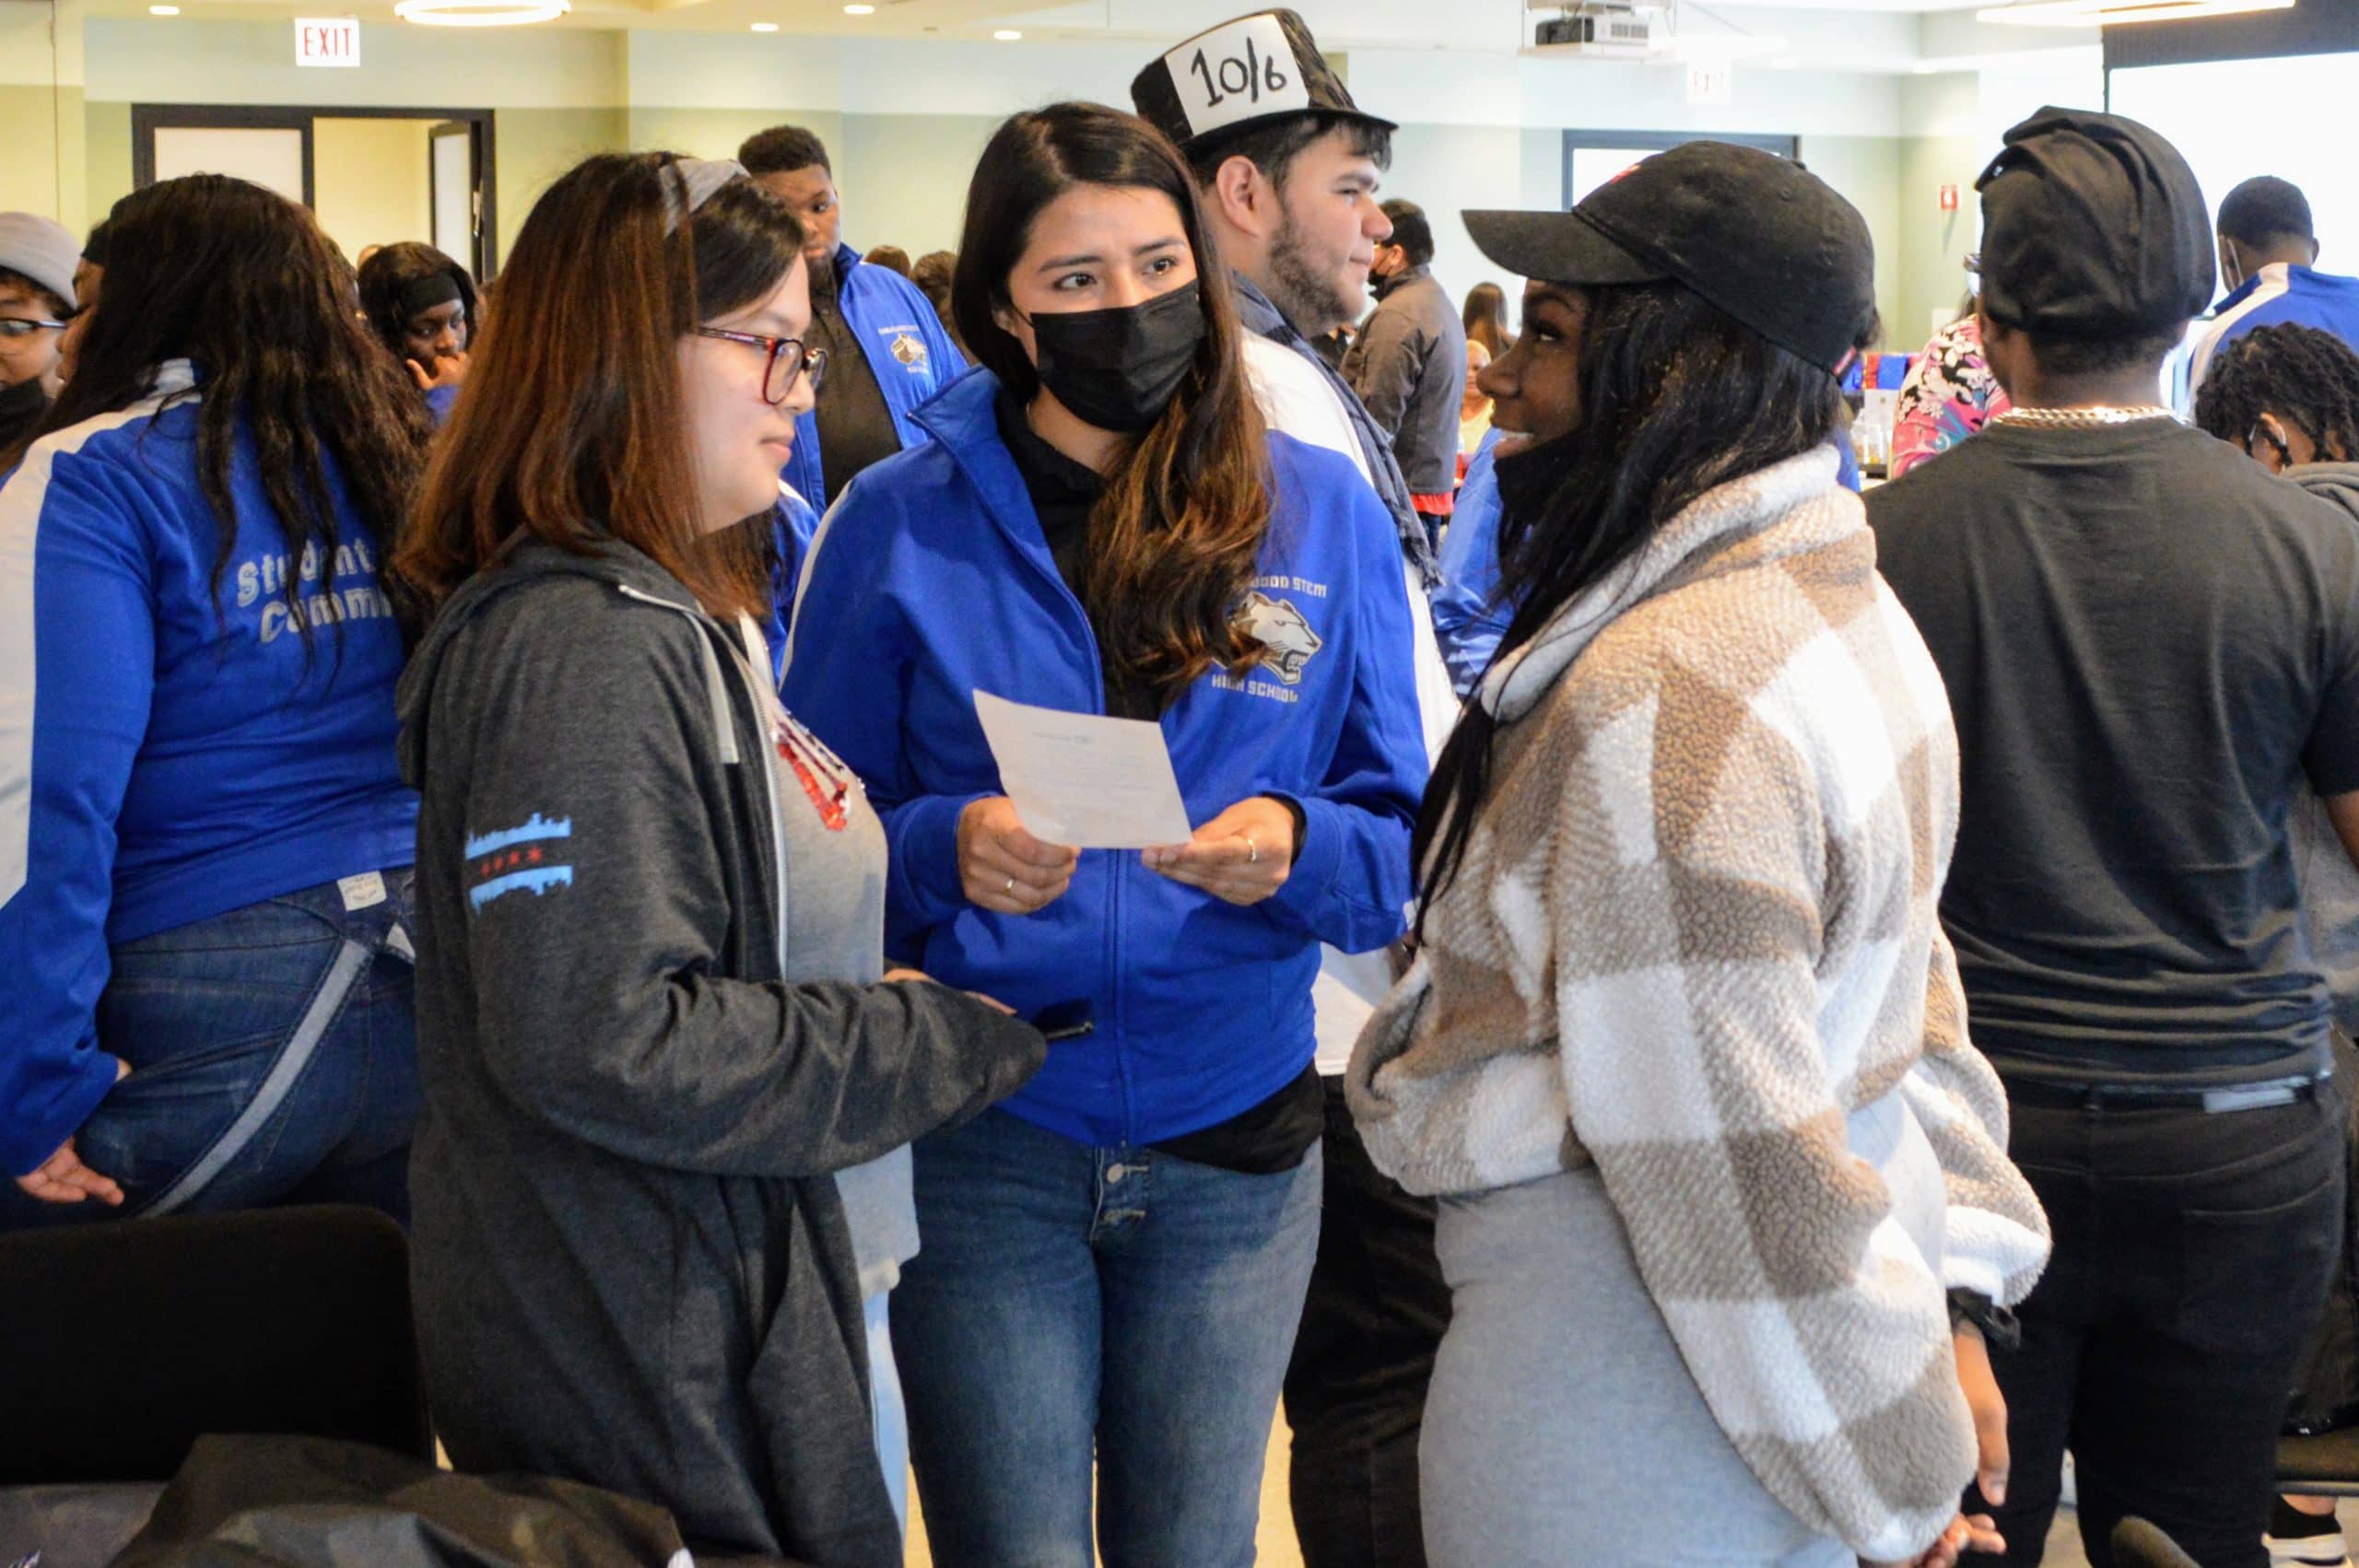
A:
[1247, 72]
[1757, 235]
[2092, 227]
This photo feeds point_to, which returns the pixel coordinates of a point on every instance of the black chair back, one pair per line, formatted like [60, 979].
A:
[121, 1344]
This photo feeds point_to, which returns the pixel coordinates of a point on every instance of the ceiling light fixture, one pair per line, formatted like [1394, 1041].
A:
[860, 10]
[766, 27]
[2117, 13]
[1008, 35]
[481, 13]
[163, 10]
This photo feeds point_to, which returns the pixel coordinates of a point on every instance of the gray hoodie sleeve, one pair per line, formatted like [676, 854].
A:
[597, 908]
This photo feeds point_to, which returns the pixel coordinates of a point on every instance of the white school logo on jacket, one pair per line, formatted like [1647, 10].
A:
[1284, 630]
[907, 348]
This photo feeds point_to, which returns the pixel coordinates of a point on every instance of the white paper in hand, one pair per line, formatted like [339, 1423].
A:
[1084, 781]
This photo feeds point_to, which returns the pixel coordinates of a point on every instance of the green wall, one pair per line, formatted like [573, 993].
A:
[1866, 171]
[40, 170]
[107, 141]
[904, 177]
[534, 146]
[1934, 244]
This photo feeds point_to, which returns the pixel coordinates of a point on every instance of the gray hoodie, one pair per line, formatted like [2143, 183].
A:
[631, 1264]
[2330, 881]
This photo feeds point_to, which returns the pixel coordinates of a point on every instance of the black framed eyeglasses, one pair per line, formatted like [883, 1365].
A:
[23, 326]
[2262, 431]
[789, 359]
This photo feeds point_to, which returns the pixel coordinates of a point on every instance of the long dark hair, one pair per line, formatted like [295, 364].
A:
[1676, 397]
[241, 282]
[1178, 533]
[573, 423]
[388, 273]
[1487, 318]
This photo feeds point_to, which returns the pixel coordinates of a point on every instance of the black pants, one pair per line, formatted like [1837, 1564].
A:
[2192, 1255]
[1356, 1392]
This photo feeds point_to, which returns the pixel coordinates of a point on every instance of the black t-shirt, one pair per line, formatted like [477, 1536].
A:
[855, 427]
[2147, 641]
[1275, 1134]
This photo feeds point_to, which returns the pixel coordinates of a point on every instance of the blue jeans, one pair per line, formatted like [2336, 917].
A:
[1121, 1301]
[273, 1059]
[887, 1411]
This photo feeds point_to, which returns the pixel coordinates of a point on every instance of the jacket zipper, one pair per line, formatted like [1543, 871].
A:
[724, 716]
[1116, 867]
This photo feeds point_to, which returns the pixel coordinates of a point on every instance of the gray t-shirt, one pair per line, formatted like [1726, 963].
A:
[833, 929]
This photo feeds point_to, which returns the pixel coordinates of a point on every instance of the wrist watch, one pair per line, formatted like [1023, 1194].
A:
[1998, 1326]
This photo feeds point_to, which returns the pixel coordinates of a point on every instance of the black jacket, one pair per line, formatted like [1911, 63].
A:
[631, 1264]
[21, 407]
[1409, 368]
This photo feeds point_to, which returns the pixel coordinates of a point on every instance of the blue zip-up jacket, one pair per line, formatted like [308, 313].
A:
[911, 354]
[930, 578]
[1466, 622]
[792, 527]
[162, 761]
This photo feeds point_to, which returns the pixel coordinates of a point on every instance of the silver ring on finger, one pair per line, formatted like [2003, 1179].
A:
[1009, 891]
[1252, 851]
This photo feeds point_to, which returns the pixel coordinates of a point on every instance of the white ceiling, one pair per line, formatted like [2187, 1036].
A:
[1490, 26]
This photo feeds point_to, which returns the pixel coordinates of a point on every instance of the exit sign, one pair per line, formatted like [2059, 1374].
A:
[327, 40]
[1710, 81]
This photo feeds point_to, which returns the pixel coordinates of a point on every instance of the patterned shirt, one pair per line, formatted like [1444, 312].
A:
[1950, 394]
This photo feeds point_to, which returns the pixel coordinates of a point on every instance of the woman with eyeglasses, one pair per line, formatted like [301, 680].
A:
[662, 1183]
[204, 839]
[37, 261]
[1115, 1262]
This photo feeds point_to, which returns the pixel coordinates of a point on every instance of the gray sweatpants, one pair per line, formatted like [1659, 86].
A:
[1563, 1428]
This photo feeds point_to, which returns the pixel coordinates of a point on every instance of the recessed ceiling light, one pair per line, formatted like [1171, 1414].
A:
[1784, 62]
[860, 10]
[163, 10]
[766, 27]
[1008, 35]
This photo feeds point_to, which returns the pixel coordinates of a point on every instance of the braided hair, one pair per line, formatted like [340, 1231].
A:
[2307, 378]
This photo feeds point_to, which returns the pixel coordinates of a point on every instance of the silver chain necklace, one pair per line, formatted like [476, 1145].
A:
[2082, 419]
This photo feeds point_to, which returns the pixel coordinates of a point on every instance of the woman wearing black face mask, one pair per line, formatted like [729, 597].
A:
[1103, 525]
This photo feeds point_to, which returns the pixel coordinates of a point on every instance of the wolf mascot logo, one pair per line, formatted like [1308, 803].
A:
[1280, 627]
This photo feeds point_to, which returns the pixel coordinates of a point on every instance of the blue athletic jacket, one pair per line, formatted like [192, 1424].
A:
[1468, 619]
[161, 761]
[1466, 622]
[792, 526]
[930, 578]
[912, 356]
[2278, 295]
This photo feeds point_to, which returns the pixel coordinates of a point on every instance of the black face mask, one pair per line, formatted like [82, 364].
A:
[1118, 369]
[1528, 479]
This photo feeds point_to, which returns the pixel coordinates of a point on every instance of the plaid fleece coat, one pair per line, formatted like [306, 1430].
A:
[1693, 941]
